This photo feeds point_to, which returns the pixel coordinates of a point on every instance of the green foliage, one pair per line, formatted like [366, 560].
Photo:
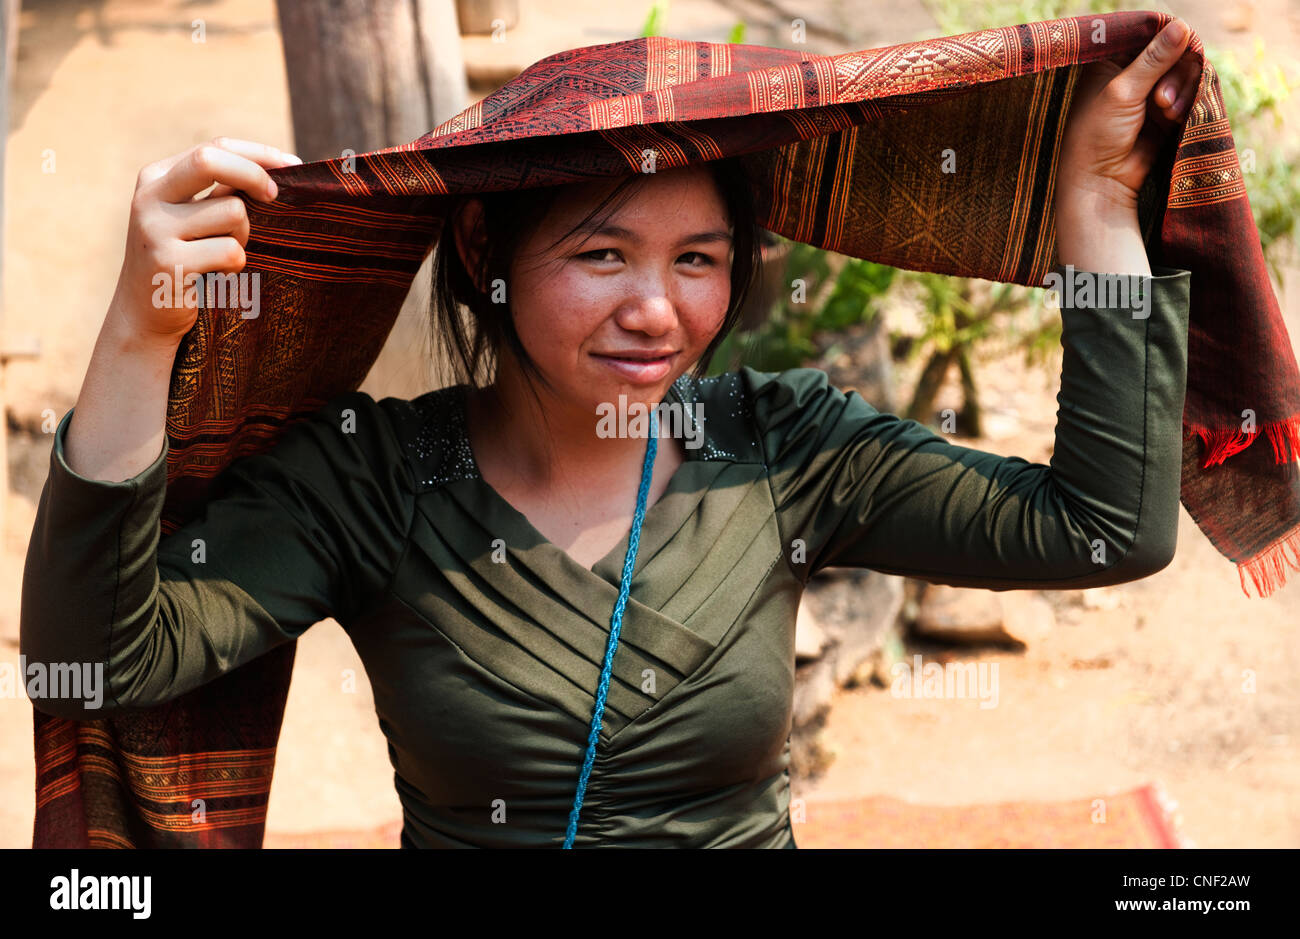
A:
[842, 292]
[951, 316]
[655, 18]
[963, 16]
[1253, 97]
[654, 23]
[823, 292]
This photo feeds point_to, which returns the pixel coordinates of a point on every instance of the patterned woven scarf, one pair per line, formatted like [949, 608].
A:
[844, 150]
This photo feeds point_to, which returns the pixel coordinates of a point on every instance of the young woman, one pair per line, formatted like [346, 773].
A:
[472, 541]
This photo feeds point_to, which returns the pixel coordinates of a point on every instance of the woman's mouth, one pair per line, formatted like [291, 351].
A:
[638, 368]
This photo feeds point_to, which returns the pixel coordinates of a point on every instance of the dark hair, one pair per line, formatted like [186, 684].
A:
[475, 341]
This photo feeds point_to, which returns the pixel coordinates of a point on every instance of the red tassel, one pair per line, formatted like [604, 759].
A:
[1282, 436]
[1221, 444]
[1268, 568]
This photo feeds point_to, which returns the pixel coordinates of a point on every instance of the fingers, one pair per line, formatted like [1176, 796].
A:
[1189, 73]
[209, 217]
[238, 164]
[216, 192]
[156, 170]
[1173, 94]
[212, 254]
[1154, 62]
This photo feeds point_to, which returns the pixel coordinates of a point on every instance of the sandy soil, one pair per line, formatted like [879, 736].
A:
[1151, 689]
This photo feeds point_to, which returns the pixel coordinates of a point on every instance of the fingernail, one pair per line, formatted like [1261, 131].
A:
[294, 157]
[1176, 30]
[271, 189]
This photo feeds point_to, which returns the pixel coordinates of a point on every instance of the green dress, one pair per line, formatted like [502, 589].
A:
[484, 642]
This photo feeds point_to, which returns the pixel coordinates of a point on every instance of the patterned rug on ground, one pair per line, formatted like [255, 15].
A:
[1140, 818]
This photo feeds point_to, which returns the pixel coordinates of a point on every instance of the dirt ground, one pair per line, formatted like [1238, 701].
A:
[1146, 685]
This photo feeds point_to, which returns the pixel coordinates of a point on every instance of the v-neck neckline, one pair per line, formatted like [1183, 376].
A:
[609, 567]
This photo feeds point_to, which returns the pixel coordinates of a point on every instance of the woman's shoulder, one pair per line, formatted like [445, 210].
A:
[727, 415]
[346, 453]
[766, 395]
[430, 431]
[745, 410]
[353, 435]
[754, 384]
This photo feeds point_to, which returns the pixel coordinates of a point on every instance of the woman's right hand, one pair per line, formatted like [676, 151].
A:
[172, 226]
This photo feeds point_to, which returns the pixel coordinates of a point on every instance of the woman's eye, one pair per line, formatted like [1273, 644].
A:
[600, 254]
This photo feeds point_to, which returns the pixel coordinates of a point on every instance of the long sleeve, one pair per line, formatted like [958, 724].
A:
[855, 487]
[307, 529]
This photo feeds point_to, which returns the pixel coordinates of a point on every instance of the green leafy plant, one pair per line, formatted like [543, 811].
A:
[957, 313]
[960, 16]
[1253, 97]
[655, 18]
[816, 292]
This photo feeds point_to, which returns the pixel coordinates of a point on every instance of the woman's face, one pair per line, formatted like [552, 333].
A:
[635, 306]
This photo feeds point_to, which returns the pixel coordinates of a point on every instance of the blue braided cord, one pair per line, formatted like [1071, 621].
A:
[616, 623]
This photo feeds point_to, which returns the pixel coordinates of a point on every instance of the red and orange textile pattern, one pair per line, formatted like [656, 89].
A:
[1144, 817]
[847, 153]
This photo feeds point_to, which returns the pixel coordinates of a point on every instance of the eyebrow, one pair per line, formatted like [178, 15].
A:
[618, 231]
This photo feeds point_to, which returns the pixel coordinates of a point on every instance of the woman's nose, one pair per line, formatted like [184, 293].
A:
[653, 314]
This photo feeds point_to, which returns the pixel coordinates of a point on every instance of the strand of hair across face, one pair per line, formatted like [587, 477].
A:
[616, 623]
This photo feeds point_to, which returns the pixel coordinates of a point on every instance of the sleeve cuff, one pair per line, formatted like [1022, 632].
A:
[1158, 271]
[90, 553]
[61, 474]
[1078, 288]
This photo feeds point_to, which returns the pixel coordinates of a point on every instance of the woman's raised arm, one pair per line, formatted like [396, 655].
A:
[122, 408]
[861, 488]
[303, 531]
[308, 529]
[855, 487]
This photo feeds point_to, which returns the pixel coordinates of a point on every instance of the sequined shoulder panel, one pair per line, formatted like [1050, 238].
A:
[432, 431]
[728, 421]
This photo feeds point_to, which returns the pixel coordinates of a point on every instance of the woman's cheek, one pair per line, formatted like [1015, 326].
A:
[561, 313]
[708, 309]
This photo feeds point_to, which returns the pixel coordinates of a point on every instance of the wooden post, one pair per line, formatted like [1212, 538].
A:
[368, 74]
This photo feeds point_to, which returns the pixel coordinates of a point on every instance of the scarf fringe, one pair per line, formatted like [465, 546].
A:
[1221, 444]
[1267, 569]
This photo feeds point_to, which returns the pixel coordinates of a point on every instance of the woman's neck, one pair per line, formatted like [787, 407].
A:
[549, 445]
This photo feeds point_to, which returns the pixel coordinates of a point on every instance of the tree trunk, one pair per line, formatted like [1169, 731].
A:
[970, 418]
[369, 74]
[928, 385]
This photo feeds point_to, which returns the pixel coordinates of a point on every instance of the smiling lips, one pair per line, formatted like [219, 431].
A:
[636, 366]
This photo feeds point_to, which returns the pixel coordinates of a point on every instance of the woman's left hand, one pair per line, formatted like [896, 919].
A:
[1117, 122]
[1120, 117]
